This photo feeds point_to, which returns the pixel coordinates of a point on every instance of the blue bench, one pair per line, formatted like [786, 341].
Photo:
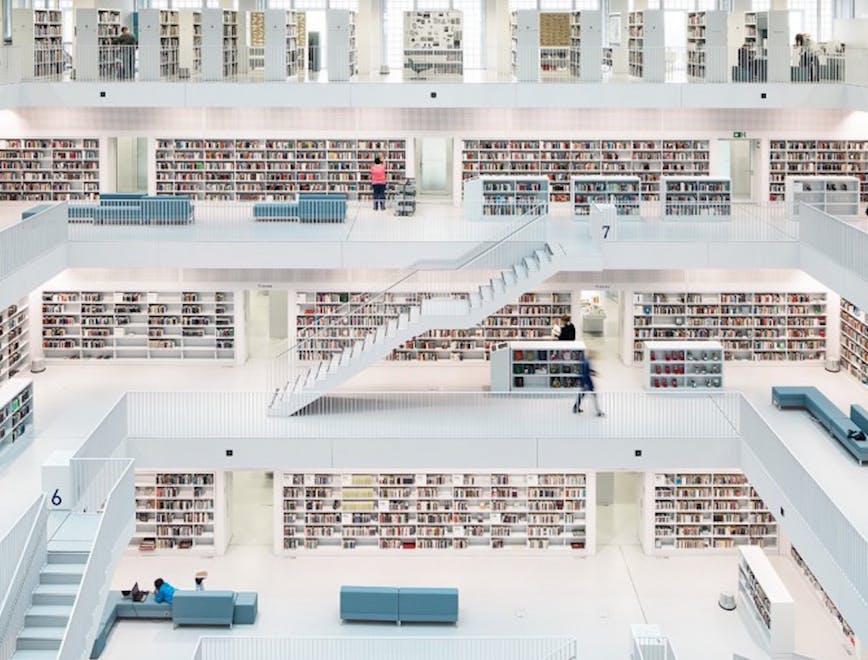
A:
[849, 431]
[399, 605]
[309, 207]
[135, 209]
[215, 608]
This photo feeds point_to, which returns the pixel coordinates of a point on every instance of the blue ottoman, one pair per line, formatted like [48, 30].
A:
[369, 604]
[246, 607]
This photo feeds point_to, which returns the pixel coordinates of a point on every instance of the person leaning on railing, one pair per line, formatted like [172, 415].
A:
[127, 46]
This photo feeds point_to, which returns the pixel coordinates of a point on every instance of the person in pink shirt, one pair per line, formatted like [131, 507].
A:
[378, 182]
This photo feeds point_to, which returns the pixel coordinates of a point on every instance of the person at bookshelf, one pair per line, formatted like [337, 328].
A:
[199, 580]
[378, 183]
[126, 43]
[587, 388]
[568, 330]
[163, 591]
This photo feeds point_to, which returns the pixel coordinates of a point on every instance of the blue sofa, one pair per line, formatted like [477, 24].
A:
[399, 605]
[850, 432]
[215, 608]
[135, 209]
[309, 207]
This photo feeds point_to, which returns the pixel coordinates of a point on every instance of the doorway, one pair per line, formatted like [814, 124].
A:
[251, 502]
[739, 158]
[618, 511]
[267, 314]
[131, 165]
[434, 166]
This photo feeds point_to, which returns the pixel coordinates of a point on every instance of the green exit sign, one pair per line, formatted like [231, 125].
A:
[739, 134]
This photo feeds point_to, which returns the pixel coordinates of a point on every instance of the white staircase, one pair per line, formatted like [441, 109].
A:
[302, 386]
[51, 606]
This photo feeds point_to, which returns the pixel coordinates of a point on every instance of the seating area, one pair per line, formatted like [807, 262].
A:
[135, 209]
[849, 431]
[399, 605]
[189, 608]
[307, 207]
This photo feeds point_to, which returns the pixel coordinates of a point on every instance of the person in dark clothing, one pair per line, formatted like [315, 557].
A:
[568, 330]
[126, 43]
[586, 388]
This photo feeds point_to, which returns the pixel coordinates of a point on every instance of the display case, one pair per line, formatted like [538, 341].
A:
[433, 45]
[540, 365]
[674, 366]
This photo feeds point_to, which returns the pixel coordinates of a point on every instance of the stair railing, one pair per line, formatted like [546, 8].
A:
[329, 334]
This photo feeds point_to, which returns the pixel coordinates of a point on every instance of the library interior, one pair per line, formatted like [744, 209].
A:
[434, 329]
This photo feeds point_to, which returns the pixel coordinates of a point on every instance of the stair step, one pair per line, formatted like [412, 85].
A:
[40, 638]
[391, 327]
[34, 655]
[531, 264]
[68, 557]
[415, 314]
[47, 615]
[61, 574]
[542, 256]
[55, 594]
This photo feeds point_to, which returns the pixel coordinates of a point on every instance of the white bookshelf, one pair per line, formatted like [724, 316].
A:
[95, 34]
[342, 59]
[14, 340]
[835, 195]
[808, 158]
[49, 169]
[854, 341]
[16, 411]
[159, 44]
[586, 45]
[674, 366]
[433, 45]
[138, 325]
[219, 49]
[37, 35]
[180, 511]
[524, 26]
[446, 510]
[281, 45]
[755, 26]
[765, 601]
[561, 159]
[623, 192]
[539, 365]
[190, 42]
[778, 47]
[646, 45]
[278, 169]
[697, 198]
[704, 511]
[500, 196]
[752, 326]
[530, 318]
[707, 52]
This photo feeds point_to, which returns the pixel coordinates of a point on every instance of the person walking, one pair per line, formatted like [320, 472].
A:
[586, 388]
[127, 43]
[378, 183]
[568, 330]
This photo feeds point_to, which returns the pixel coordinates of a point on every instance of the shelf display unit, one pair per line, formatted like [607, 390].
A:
[704, 511]
[707, 53]
[16, 411]
[342, 61]
[446, 510]
[646, 47]
[853, 643]
[14, 340]
[433, 45]
[835, 195]
[219, 48]
[561, 159]
[621, 191]
[278, 169]
[95, 33]
[554, 43]
[49, 169]
[190, 42]
[503, 196]
[281, 45]
[524, 28]
[586, 45]
[854, 341]
[539, 365]
[159, 44]
[180, 511]
[765, 601]
[697, 197]
[762, 326]
[530, 318]
[673, 366]
[37, 35]
[816, 158]
[138, 325]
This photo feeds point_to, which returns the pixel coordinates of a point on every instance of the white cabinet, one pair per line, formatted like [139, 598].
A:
[539, 365]
[765, 601]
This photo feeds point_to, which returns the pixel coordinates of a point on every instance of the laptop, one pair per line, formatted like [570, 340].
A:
[136, 594]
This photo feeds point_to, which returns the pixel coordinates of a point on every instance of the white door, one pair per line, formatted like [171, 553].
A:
[434, 165]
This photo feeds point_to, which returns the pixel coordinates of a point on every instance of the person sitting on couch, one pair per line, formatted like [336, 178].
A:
[163, 591]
